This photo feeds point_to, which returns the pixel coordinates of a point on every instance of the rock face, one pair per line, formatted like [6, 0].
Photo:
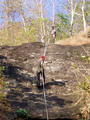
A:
[65, 67]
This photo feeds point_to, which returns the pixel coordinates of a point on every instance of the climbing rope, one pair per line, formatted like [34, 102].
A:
[46, 47]
[44, 91]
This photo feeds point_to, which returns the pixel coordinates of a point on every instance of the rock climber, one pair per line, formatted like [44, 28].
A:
[40, 71]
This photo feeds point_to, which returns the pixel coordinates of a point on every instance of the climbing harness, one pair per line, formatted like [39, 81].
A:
[40, 71]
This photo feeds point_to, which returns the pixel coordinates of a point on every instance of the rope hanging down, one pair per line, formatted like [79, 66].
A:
[45, 97]
[44, 92]
[40, 72]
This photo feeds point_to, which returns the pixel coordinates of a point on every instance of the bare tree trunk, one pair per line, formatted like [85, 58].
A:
[24, 24]
[53, 2]
[22, 16]
[6, 22]
[72, 16]
[83, 13]
[42, 23]
[73, 8]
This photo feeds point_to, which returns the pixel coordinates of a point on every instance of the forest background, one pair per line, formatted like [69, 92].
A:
[24, 21]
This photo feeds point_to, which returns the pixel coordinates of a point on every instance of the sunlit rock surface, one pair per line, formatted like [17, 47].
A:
[65, 69]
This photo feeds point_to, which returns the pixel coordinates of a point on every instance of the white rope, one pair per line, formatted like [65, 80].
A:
[45, 96]
[46, 46]
[45, 50]
[44, 92]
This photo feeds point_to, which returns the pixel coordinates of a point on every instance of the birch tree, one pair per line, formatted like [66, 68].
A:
[53, 11]
[83, 14]
[71, 10]
[42, 22]
[6, 10]
[73, 5]
[12, 8]
[22, 15]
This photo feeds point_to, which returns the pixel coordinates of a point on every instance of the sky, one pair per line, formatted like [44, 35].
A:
[48, 8]
[1, 12]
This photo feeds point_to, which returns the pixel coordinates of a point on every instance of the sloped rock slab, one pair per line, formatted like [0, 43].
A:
[64, 97]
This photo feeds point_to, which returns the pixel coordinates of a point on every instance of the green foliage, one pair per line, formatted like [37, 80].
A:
[22, 113]
[1, 70]
[88, 77]
[84, 58]
[16, 35]
[63, 19]
[85, 86]
[87, 12]
[78, 19]
[30, 33]
[43, 20]
[63, 26]
[2, 83]
[75, 52]
[1, 96]
[74, 66]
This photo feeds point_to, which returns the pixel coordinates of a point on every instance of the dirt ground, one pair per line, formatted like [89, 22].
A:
[78, 39]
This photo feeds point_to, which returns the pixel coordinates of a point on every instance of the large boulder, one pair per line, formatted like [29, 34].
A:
[66, 69]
